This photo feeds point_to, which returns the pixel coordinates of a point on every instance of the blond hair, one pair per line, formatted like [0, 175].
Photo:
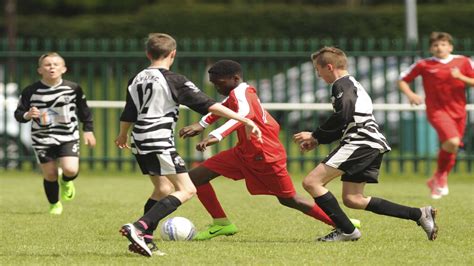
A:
[440, 36]
[48, 54]
[330, 55]
[160, 45]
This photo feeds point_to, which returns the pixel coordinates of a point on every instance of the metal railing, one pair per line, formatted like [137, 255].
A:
[280, 69]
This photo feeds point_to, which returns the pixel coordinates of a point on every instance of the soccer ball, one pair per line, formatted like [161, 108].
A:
[177, 229]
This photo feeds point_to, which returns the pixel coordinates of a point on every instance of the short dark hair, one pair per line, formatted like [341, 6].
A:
[160, 45]
[440, 36]
[226, 68]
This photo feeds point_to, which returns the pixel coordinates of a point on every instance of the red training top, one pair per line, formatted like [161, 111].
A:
[442, 91]
[244, 101]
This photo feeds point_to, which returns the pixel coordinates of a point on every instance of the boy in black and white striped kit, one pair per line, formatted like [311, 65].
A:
[152, 110]
[55, 107]
[358, 157]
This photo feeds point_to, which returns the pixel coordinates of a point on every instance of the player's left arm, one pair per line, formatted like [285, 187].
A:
[85, 116]
[241, 103]
[465, 74]
[198, 127]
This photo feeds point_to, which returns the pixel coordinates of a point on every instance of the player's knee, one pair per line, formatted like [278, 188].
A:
[70, 171]
[310, 184]
[162, 191]
[50, 175]
[451, 145]
[353, 201]
[189, 193]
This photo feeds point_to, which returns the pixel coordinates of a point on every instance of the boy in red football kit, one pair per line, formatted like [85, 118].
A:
[445, 77]
[261, 165]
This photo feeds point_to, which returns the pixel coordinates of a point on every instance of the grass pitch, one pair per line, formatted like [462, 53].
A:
[87, 231]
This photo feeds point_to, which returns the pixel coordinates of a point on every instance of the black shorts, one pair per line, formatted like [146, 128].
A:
[360, 164]
[161, 164]
[52, 153]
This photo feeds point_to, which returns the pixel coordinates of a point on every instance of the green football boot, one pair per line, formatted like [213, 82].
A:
[68, 191]
[356, 223]
[56, 208]
[216, 230]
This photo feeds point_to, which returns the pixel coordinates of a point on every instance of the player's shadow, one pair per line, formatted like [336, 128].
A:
[25, 213]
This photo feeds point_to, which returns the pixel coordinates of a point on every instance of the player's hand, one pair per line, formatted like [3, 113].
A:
[202, 146]
[89, 139]
[456, 73]
[191, 130]
[32, 113]
[308, 145]
[121, 141]
[252, 129]
[305, 140]
[415, 99]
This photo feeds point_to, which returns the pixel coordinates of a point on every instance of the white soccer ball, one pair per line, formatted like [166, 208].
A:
[177, 229]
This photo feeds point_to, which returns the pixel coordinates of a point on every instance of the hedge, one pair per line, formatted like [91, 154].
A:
[255, 21]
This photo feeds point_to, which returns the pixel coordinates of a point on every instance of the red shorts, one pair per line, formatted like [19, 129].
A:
[446, 126]
[261, 178]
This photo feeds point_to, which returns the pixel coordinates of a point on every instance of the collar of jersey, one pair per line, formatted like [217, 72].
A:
[55, 85]
[445, 60]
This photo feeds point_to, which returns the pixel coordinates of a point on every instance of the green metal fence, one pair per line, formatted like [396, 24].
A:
[279, 68]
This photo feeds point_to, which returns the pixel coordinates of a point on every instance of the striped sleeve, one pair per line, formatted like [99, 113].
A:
[83, 111]
[23, 105]
[130, 112]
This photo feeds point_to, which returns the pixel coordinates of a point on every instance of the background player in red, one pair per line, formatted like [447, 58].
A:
[445, 77]
[261, 165]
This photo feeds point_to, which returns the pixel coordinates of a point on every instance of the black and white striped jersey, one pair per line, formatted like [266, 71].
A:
[153, 99]
[60, 107]
[352, 121]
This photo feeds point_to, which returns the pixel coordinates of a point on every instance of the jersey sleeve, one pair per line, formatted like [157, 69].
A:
[469, 68]
[211, 118]
[411, 73]
[239, 102]
[83, 111]
[23, 105]
[344, 109]
[186, 93]
[129, 113]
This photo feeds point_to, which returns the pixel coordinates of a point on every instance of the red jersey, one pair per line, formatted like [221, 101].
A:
[244, 101]
[442, 91]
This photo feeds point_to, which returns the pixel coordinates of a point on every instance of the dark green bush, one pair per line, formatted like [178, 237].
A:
[255, 21]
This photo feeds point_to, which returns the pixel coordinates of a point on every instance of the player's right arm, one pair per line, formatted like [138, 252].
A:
[127, 118]
[408, 76]
[24, 111]
[121, 140]
[203, 144]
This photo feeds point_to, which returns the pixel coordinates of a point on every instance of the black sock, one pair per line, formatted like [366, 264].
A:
[329, 205]
[69, 178]
[148, 205]
[385, 207]
[160, 210]
[52, 190]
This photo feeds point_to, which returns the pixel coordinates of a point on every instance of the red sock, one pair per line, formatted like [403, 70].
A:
[319, 214]
[446, 162]
[208, 198]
